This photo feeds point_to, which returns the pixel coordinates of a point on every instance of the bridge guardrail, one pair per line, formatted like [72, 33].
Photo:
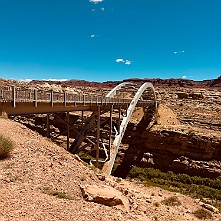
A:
[20, 94]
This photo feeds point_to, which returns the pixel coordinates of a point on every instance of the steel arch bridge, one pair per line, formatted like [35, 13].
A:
[146, 90]
[121, 101]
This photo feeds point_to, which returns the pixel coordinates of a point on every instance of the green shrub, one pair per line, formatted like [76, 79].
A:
[191, 185]
[57, 194]
[6, 146]
[202, 214]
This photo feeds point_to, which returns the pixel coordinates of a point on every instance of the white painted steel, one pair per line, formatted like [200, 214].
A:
[113, 92]
[114, 149]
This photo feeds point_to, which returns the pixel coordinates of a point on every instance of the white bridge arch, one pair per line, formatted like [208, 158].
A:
[107, 168]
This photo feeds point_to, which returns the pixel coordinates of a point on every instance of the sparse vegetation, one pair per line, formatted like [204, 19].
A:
[171, 201]
[197, 187]
[202, 214]
[83, 177]
[157, 204]
[118, 180]
[57, 194]
[3, 115]
[6, 146]
[87, 158]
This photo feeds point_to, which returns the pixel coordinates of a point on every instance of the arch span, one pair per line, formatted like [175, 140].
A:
[107, 168]
[119, 87]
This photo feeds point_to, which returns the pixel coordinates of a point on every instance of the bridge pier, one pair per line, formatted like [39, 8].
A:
[98, 134]
[48, 125]
[110, 131]
[68, 131]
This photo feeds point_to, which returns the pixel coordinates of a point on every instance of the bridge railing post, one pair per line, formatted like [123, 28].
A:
[1, 93]
[76, 98]
[35, 97]
[65, 98]
[13, 96]
[98, 135]
[52, 98]
[83, 99]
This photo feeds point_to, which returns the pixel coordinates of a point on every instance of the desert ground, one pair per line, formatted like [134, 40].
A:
[42, 181]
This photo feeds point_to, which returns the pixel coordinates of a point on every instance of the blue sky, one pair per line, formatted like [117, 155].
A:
[110, 40]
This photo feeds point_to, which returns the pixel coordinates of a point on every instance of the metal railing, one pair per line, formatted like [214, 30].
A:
[18, 94]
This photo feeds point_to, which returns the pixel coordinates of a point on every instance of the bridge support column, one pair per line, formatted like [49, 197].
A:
[52, 98]
[110, 131]
[48, 125]
[98, 135]
[82, 118]
[119, 118]
[68, 131]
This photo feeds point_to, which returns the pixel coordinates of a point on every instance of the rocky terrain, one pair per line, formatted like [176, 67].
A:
[42, 181]
[184, 136]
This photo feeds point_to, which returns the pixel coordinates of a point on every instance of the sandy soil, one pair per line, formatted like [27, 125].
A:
[37, 165]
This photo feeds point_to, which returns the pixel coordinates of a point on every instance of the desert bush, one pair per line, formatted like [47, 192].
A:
[157, 204]
[171, 201]
[57, 194]
[83, 177]
[191, 185]
[118, 180]
[202, 214]
[3, 115]
[170, 178]
[6, 146]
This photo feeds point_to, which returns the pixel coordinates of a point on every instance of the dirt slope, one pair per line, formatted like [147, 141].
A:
[37, 166]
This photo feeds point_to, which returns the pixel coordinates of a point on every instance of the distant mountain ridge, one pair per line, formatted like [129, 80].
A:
[179, 82]
[157, 82]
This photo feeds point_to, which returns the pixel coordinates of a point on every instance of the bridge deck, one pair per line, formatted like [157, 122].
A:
[25, 108]
[17, 101]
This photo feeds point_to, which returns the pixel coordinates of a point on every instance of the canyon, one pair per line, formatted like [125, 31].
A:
[184, 135]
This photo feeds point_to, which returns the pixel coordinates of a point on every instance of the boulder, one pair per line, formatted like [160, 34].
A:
[182, 95]
[105, 195]
[196, 96]
[209, 207]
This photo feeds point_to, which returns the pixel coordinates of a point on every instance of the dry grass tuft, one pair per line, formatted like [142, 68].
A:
[3, 115]
[202, 214]
[171, 201]
[57, 194]
[6, 146]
